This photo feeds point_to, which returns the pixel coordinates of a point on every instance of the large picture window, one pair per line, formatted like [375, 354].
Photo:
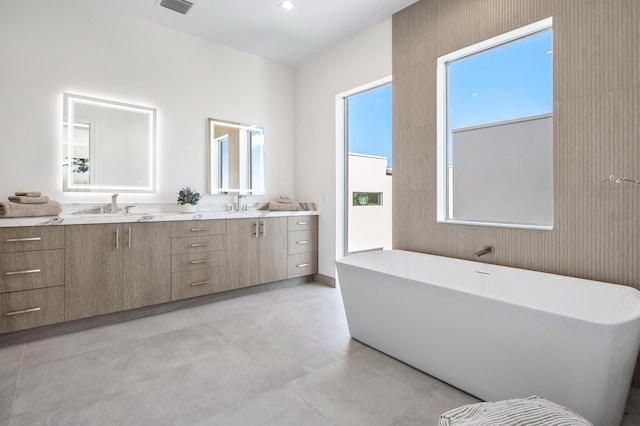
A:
[495, 130]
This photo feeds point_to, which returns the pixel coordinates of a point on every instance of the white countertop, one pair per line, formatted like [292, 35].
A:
[84, 219]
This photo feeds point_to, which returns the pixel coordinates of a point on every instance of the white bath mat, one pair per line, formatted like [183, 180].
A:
[531, 411]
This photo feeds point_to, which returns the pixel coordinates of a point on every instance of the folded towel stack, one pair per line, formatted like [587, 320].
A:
[283, 203]
[31, 203]
[286, 203]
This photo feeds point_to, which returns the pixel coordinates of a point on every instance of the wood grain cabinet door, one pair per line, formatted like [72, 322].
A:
[93, 270]
[146, 264]
[273, 249]
[243, 261]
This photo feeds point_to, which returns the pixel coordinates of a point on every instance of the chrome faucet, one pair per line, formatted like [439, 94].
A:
[239, 206]
[485, 250]
[114, 203]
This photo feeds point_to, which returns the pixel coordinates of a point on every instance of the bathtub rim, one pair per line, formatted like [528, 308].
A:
[633, 292]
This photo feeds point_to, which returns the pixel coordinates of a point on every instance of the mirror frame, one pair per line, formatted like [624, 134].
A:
[212, 163]
[442, 120]
[69, 102]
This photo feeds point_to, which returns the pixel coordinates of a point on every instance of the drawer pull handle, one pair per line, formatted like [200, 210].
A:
[17, 240]
[302, 242]
[302, 265]
[200, 245]
[303, 223]
[195, 262]
[26, 311]
[201, 283]
[28, 271]
[198, 230]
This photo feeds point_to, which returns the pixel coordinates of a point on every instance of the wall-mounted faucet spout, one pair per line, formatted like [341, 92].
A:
[485, 250]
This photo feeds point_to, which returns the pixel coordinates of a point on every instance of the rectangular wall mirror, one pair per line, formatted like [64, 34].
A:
[236, 158]
[107, 146]
[495, 131]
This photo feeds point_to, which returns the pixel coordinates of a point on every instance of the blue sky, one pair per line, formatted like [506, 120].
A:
[369, 123]
[507, 82]
[510, 81]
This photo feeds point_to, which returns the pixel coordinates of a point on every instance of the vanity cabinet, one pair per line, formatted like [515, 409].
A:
[302, 246]
[116, 266]
[31, 277]
[257, 250]
[199, 258]
[51, 274]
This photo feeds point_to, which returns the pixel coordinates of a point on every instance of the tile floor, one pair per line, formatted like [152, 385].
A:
[282, 357]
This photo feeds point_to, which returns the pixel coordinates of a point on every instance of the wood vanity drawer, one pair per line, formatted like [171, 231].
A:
[198, 282]
[31, 270]
[302, 241]
[193, 228]
[31, 308]
[198, 244]
[302, 223]
[31, 238]
[186, 262]
[302, 264]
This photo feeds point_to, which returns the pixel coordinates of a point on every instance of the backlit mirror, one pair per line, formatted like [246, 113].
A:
[236, 158]
[495, 131]
[107, 146]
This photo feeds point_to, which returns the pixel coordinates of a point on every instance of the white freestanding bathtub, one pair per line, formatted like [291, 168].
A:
[497, 332]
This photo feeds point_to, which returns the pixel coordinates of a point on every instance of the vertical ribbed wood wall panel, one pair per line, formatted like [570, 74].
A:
[596, 53]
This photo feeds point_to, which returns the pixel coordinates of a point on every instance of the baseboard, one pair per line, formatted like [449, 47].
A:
[326, 280]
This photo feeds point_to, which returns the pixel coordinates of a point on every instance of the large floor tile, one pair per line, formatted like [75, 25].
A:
[351, 392]
[181, 394]
[45, 386]
[52, 349]
[10, 361]
[438, 401]
[279, 407]
[289, 353]
[415, 379]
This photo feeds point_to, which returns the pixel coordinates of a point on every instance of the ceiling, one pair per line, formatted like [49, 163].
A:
[262, 28]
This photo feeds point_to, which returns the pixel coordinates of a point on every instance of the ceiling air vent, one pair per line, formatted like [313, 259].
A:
[180, 6]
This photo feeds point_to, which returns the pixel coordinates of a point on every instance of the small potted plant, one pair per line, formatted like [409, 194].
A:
[188, 199]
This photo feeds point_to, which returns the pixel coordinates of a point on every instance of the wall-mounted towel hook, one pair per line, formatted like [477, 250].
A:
[612, 178]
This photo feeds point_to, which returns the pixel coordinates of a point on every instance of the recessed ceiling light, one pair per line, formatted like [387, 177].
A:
[287, 5]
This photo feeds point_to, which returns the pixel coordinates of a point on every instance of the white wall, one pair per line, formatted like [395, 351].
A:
[358, 61]
[49, 47]
[503, 172]
[370, 227]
